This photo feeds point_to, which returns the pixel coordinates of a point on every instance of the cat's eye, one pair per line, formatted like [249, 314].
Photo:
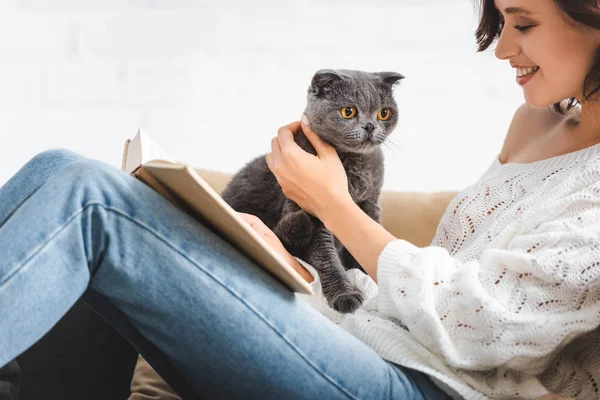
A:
[348, 112]
[384, 114]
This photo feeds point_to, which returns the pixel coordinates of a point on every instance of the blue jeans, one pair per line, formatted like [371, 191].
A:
[205, 316]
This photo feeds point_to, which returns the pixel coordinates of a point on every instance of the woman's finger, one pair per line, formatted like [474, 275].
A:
[255, 222]
[285, 138]
[249, 218]
[269, 161]
[293, 127]
[323, 149]
[275, 152]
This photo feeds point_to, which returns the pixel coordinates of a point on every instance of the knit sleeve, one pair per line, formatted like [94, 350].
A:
[521, 301]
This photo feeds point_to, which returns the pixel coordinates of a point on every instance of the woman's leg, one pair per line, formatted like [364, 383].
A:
[30, 177]
[12, 194]
[231, 329]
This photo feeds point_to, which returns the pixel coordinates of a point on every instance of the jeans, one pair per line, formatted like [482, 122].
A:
[207, 318]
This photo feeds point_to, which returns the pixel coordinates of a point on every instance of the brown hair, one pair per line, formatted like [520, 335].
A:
[582, 12]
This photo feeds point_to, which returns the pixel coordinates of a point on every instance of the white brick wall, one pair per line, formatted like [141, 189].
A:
[212, 81]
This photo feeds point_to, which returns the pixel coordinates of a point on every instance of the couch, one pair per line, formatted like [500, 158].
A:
[83, 357]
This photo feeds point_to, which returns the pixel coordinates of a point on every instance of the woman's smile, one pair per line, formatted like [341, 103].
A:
[524, 75]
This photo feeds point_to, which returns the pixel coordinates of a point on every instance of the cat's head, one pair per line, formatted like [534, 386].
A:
[354, 111]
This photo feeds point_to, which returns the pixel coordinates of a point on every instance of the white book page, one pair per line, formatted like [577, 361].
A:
[142, 149]
[151, 150]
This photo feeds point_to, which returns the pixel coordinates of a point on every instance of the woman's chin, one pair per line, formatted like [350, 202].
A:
[537, 101]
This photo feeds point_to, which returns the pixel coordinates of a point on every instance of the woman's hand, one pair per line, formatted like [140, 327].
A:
[318, 184]
[274, 242]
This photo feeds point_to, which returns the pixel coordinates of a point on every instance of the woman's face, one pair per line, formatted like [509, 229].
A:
[538, 36]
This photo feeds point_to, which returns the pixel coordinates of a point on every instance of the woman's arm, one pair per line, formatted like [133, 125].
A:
[364, 238]
[513, 306]
[319, 185]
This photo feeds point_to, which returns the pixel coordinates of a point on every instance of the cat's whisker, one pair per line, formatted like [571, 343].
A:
[390, 141]
[386, 145]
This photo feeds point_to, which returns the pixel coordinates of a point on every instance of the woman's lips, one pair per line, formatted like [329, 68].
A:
[522, 80]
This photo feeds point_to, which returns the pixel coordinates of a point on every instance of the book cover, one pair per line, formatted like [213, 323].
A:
[185, 187]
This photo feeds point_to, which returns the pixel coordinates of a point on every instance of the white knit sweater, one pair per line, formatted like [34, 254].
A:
[505, 301]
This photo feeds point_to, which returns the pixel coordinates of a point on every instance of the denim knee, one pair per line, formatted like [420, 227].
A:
[99, 180]
[54, 157]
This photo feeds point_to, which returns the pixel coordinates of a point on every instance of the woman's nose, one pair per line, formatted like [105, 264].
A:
[507, 45]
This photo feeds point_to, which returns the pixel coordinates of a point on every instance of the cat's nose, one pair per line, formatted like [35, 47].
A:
[369, 128]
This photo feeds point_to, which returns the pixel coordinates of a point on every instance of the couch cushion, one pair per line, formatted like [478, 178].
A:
[413, 216]
[148, 385]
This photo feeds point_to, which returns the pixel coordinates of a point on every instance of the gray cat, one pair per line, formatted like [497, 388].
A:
[353, 111]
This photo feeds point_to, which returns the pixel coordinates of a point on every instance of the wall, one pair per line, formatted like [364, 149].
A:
[212, 81]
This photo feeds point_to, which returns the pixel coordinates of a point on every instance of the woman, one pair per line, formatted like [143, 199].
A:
[504, 303]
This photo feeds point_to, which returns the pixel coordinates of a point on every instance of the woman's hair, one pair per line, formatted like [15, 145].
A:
[582, 12]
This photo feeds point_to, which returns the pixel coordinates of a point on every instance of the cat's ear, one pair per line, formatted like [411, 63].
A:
[390, 78]
[323, 81]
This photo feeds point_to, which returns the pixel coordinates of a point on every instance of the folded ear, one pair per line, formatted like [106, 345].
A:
[390, 78]
[323, 81]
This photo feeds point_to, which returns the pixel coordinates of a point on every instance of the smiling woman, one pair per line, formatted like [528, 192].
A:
[504, 303]
[499, 291]
[560, 49]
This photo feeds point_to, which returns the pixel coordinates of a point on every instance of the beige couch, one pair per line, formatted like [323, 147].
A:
[408, 215]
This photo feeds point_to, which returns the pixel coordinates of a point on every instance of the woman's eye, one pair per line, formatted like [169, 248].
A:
[523, 28]
[348, 112]
[384, 114]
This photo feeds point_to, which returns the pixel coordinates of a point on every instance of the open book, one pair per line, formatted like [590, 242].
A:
[184, 186]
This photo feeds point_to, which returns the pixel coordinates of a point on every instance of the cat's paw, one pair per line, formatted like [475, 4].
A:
[347, 303]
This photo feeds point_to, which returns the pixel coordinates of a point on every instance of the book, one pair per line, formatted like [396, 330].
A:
[184, 186]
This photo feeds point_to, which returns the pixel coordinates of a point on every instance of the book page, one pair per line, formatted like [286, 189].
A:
[140, 150]
[151, 150]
